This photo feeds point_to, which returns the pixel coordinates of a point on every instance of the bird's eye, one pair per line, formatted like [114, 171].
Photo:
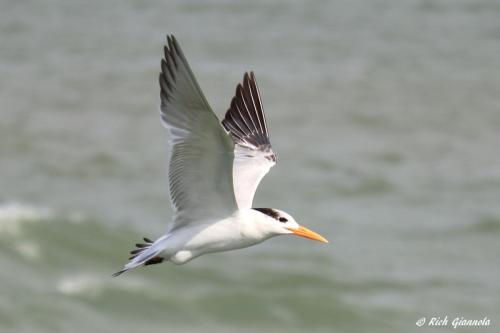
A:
[283, 219]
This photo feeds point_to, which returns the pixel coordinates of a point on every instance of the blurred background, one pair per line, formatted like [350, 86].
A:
[385, 118]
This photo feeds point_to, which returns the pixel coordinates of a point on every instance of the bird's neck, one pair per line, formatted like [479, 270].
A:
[253, 225]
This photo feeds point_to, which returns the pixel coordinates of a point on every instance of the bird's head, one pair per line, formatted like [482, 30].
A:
[280, 223]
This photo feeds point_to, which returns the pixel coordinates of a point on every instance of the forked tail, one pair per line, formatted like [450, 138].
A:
[145, 254]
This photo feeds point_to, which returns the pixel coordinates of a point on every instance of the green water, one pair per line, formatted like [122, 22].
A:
[385, 116]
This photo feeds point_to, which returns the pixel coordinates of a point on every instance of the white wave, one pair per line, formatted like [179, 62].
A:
[80, 285]
[12, 215]
[28, 250]
[93, 285]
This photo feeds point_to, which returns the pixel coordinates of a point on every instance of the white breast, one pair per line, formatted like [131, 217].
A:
[232, 233]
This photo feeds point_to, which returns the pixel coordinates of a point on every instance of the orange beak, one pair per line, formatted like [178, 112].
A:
[304, 232]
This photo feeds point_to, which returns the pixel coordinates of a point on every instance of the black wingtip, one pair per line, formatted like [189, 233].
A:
[169, 39]
[245, 118]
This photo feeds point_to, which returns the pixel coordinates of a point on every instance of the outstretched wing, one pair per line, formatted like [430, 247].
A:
[253, 155]
[200, 170]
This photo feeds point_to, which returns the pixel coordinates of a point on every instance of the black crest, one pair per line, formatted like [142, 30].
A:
[272, 213]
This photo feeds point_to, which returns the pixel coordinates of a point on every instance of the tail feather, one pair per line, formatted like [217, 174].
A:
[141, 247]
[119, 273]
[145, 254]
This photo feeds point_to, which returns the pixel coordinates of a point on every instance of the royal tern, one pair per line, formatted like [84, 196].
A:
[215, 168]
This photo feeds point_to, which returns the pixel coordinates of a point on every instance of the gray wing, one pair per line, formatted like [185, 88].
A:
[200, 170]
[253, 155]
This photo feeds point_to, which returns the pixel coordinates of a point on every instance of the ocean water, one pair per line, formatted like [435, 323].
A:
[385, 116]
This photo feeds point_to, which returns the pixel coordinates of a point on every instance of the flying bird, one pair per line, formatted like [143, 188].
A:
[215, 168]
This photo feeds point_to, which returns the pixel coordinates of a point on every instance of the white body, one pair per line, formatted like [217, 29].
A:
[244, 228]
[235, 232]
